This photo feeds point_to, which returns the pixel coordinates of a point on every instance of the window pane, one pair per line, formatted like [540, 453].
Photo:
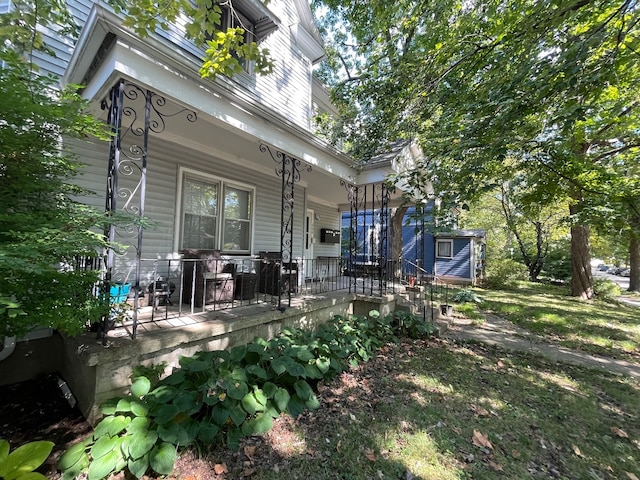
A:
[200, 204]
[200, 198]
[237, 219]
[444, 249]
[236, 235]
[237, 204]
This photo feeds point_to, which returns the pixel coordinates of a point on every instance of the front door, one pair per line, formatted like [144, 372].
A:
[309, 239]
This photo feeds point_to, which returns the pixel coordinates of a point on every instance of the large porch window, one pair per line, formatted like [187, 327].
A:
[216, 214]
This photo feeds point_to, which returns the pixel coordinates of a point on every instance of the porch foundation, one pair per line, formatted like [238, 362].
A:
[96, 373]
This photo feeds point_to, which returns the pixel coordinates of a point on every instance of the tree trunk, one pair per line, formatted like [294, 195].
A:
[634, 262]
[395, 238]
[582, 279]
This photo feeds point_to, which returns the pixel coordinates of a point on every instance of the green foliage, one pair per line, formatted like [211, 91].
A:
[225, 395]
[505, 273]
[412, 326]
[558, 263]
[43, 228]
[24, 460]
[466, 295]
[544, 93]
[606, 289]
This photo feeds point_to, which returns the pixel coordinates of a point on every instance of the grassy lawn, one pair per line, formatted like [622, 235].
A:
[609, 329]
[435, 409]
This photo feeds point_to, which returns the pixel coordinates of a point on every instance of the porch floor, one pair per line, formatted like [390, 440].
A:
[178, 315]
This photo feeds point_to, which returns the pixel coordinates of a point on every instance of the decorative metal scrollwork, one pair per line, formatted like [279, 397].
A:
[288, 169]
[133, 114]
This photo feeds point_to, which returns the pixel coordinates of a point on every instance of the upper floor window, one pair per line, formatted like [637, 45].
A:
[444, 248]
[216, 214]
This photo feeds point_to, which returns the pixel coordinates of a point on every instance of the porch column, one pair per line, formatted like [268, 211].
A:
[368, 236]
[288, 169]
[133, 113]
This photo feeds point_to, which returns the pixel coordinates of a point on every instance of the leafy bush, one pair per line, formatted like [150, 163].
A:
[466, 296]
[606, 289]
[24, 460]
[224, 395]
[505, 272]
[412, 326]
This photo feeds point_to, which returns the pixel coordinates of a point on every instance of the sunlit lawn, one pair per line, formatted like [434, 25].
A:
[441, 410]
[611, 329]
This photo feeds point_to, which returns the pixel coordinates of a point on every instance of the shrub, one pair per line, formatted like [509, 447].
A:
[505, 272]
[466, 296]
[224, 395]
[606, 289]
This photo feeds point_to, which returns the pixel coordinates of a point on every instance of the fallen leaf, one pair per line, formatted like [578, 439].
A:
[500, 364]
[371, 456]
[619, 432]
[468, 458]
[480, 411]
[480, 440]
[577, 451]
[515, 454]
[248, 472]
[220, 468]
[631, 476]
[250, 451]
[495, 466]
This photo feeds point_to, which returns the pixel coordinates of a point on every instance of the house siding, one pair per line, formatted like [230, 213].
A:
[460, 264]
[286, 91]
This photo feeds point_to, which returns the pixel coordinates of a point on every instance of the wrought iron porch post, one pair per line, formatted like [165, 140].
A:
[128, 151]
[289, 170]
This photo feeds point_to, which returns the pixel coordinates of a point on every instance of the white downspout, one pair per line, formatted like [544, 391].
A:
[9, 347]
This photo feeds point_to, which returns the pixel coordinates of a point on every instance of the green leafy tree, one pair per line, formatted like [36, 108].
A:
[550, 84]
[43, 229]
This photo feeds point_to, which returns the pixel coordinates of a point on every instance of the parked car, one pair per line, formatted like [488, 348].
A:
[626, 272]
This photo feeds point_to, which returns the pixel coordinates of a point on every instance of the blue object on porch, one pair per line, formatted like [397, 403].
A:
[118, 292]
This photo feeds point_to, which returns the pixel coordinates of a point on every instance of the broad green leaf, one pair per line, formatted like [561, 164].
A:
[142, 443]
[103, 446]
[220, 414]
[139, 408]
[237, 390]
[4, 450]
[278, 365]
[109, 407]
[187, 403]
[118, 424]
[311, 371]
[102, 466]
[257, 371]
[72, 455]
[25, 459]
[323, 364]
[269, 389]
[139, 424]
[138, 467]
[238, 415]
[166, 413]
[282, 398]
[237, 353]
[303, 390]
[74, 470]
[294, 368]
[295, 406]
[234, 435]
[260, 424]
[124, 405]
[312, 403]
[162, 458]
[208, 432]
[140, 387]
[163, 393]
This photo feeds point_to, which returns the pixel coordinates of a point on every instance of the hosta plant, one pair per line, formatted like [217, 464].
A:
[24, 460]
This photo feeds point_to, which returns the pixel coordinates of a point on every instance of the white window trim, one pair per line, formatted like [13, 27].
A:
[438, 242]
[223, 182]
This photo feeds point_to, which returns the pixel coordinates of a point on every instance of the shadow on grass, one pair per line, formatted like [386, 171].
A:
[595, 326]
[441, 410]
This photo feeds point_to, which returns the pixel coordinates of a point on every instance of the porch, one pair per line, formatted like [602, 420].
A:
[97, 370]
